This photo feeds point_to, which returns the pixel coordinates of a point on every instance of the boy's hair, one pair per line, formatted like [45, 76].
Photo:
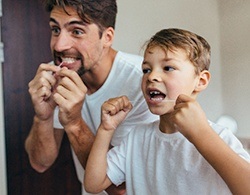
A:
[100, 12]
[197, 48]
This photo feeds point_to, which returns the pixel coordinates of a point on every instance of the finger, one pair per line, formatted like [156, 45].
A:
[47, 67]
[121, 103]
[126, 103]
[114, 105]
[183, 98]
[72, 75]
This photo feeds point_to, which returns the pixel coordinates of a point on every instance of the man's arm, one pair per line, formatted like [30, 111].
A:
[42, 144]
[69, 96]
[81, 140]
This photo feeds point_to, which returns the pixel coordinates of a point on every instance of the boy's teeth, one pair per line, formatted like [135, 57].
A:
[154, 92]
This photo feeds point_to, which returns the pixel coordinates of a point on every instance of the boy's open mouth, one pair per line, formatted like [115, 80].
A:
[156, 95]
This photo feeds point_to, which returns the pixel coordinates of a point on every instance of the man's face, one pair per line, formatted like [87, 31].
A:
[74, 44]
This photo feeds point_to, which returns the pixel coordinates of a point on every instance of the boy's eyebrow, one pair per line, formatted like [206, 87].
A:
[144, 62]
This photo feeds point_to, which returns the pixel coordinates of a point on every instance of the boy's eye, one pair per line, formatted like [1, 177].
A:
[168, 68]
[146, 70]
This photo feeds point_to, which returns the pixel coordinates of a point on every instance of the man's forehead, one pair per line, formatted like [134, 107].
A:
[65, 12]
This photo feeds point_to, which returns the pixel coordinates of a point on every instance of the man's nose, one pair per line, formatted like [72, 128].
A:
[62, 42]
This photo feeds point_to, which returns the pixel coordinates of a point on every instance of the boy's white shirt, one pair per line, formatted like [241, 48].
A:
[152, 162]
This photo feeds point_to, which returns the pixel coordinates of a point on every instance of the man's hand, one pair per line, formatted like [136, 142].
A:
[40, 89]
[69, 96]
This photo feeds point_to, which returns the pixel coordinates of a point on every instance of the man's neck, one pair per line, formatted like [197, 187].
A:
[96, 77]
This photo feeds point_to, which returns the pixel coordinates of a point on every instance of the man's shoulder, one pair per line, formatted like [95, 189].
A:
[129, 58]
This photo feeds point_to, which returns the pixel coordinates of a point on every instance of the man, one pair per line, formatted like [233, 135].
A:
[68, 97]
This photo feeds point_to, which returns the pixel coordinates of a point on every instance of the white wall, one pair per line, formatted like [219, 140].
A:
[138, 20]
[235, 50]
[222, 22]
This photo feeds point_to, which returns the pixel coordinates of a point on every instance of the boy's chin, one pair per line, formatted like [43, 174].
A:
[161, 111]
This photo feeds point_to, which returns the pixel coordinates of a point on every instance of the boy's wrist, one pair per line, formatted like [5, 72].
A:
[106, 128]
[105, 131]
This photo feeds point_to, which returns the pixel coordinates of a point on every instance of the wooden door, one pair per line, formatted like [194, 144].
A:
[26, 34]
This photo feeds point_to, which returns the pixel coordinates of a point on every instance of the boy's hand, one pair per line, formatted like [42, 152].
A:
[114, 112]
[188, 116]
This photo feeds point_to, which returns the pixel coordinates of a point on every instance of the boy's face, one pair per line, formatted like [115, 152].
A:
[75, 43]
[165, 77]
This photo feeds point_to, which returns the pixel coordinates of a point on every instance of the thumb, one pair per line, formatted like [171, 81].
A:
[182, 98]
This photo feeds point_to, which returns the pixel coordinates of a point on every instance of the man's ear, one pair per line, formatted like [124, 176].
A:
[203, 81]
[108, 36]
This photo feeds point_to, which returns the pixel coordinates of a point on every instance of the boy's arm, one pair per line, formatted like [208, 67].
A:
[234, 170]
[113, 112]
[96, 179]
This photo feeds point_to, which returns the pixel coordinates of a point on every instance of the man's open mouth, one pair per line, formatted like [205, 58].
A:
[67, 60]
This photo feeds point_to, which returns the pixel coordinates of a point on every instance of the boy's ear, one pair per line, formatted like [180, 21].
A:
[108, 36]
[203, 81]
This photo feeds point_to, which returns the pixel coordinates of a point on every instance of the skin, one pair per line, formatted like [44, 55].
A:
[174, 76]
[79, 46]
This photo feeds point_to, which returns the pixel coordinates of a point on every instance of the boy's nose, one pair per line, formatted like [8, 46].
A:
[154, 76]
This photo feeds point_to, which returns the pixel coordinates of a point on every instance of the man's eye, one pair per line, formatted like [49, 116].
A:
[168, 68]
[78, 32]
[146, 70]
[55, 30]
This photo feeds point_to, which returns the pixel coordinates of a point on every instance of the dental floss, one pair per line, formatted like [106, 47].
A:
[60, 65]
[161, 101]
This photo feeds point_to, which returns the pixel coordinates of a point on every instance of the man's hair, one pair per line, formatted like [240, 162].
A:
[196, 47]
[100, 12]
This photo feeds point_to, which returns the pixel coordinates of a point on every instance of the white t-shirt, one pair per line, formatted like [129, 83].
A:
[124, 79]
[152, 162]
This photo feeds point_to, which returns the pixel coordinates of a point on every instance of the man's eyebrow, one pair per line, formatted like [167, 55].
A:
[79, 22]
[53, 20]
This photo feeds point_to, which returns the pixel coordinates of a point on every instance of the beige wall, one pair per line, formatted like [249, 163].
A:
[139, 20]
[235, 50]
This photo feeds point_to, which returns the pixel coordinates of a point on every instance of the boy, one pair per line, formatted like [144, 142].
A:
[183, 152]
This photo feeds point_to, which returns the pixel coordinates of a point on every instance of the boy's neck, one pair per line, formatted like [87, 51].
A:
[166, 124]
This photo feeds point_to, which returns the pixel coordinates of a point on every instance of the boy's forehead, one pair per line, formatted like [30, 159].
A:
[166, 53]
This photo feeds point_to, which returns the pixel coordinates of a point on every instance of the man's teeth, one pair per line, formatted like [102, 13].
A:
[68, 60]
